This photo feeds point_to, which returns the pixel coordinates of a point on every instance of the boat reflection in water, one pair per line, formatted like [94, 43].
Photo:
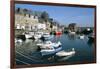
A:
[90, 40]
[72, 36]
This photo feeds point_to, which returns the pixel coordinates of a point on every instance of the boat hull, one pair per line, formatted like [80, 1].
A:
[28, 36]
[58, 33]
[50, 52]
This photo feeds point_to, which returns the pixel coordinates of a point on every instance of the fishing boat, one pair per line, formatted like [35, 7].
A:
[65, 53]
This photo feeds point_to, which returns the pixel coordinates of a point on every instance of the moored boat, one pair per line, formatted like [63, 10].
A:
[49, 43]
[65, 53]
[50, 50]
[46, 36]
[18, 40]
[72, 32]
[29, 34]
[58, 33]
[22, 37]
[81, 36]
[38, 35]
[48, 47]
[91, 37]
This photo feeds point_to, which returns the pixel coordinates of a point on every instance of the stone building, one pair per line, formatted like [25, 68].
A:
[30, 20]
[25, 19]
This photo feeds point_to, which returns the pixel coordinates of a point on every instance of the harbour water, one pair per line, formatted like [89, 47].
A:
[27, 52]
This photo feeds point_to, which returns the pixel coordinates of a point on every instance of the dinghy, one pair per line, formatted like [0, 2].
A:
[65, 53]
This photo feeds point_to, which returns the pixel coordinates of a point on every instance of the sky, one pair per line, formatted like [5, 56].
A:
[84, 17]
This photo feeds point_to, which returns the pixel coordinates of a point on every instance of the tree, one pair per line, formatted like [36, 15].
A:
[45, 16]
[65, 30]
[72, 27]
[18, 10]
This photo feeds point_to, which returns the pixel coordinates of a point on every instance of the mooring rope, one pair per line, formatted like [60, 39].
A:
[26, 56]
[22, 61]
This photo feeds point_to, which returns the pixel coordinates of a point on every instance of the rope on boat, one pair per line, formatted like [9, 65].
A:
[22, 61]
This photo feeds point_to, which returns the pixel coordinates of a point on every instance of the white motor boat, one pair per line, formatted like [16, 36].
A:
[81, 36]
[29, 34]
[64, 53]
[91, 36]
[65, 58]
[49, 43]
[38, 35]
[49, 48]
[72, 32]
[18, 40]
[46, 35]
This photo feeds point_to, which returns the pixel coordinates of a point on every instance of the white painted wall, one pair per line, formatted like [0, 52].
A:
[41, 26]
[5, 34]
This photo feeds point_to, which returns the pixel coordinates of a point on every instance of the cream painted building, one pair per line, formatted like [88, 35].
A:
[25, 22]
